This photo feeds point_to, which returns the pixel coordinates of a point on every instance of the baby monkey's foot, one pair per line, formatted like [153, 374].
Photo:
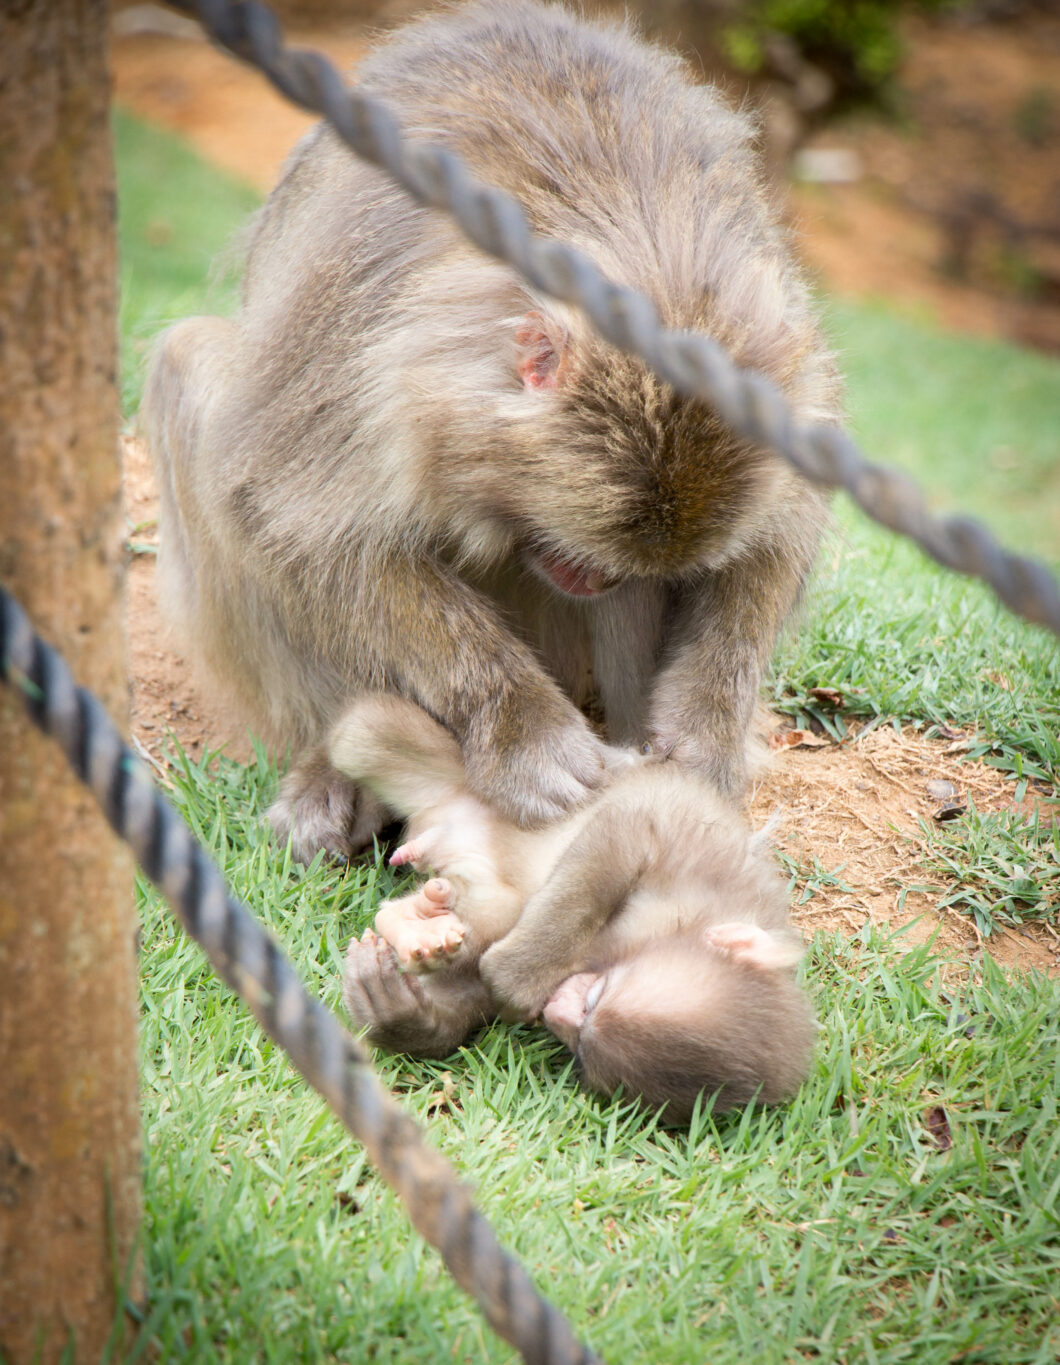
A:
[421, 928]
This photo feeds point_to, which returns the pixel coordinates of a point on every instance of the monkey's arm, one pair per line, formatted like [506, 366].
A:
[416, 628]
[725, 629]
[592, 879]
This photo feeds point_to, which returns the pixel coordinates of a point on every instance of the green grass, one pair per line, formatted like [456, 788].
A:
[976, 421]
[175, 215]
[835, 1228]
[904, 1207]
[1001, 868]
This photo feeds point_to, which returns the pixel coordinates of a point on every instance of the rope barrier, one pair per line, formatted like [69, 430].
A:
[252, 962]
[695, 365]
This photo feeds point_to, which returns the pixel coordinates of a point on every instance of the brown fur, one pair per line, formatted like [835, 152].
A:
[364, 472]
[645, 893]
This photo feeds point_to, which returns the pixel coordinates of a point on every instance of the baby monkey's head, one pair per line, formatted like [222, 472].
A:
[685, 1016]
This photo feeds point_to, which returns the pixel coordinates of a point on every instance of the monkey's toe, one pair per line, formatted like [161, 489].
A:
[423, 944]
[439, 892]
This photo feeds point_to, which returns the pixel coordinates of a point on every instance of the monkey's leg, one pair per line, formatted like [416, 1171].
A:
[704, 699]
[592, 879]
[427, 1016]
[422, 928]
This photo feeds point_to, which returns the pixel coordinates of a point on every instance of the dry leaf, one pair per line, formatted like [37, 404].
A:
[444, 1098]
[798, 739]
[829, 696]
[952, 810]
[938, 1127]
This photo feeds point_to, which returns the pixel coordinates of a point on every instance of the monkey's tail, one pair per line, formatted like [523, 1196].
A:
[399, 751]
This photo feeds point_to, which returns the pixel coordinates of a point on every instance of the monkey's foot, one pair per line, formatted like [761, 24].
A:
[757, 947]
[319, 808]
[421, 928]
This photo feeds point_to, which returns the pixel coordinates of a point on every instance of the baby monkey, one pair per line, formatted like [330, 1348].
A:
[649, 929]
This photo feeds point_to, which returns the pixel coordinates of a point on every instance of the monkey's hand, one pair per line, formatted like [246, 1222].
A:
[534, 771]
[519, 984]
[428, 1016]
[318, 807]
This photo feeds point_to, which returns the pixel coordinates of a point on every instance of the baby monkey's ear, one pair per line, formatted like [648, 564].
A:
[542, 351]
[757, 947]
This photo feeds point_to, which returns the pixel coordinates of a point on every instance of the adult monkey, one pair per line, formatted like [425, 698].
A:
[400, 467]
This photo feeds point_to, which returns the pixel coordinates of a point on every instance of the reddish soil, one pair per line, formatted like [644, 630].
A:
[852, 809]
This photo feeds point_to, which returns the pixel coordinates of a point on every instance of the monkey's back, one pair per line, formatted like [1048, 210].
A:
[604, 139]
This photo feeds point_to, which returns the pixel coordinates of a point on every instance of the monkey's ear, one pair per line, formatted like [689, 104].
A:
[757, 947]
[541, 344]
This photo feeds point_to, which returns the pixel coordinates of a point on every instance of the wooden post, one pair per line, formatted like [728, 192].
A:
[69, 1113]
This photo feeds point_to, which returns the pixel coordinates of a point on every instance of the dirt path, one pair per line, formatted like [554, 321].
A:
[850, 811]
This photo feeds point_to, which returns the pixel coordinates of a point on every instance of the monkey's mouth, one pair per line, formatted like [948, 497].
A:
[571, 576]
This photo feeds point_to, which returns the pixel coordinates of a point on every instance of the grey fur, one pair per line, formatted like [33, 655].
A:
[359, 487]
[655, 891]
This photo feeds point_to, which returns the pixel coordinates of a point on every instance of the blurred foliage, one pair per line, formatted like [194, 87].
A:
[856, 42]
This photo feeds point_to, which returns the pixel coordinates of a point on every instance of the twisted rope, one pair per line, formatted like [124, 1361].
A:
[251, 961]
[695, 365]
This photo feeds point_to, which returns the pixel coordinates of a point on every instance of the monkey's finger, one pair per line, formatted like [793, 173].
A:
[388, 991]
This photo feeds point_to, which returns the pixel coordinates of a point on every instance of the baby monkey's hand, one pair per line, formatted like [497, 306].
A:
[520, 988]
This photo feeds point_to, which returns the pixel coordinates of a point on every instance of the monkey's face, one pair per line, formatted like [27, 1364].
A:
[677, 1019]
[660, 980]
[571, 1004]
[614, 476]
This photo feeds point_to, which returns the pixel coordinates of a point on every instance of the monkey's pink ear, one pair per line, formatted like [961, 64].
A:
[757, 947]
[541, 343]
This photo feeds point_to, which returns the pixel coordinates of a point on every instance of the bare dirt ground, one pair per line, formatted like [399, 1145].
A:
[852, 809]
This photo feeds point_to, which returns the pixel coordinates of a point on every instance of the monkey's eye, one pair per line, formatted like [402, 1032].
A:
[593, 995]
[646, 748]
